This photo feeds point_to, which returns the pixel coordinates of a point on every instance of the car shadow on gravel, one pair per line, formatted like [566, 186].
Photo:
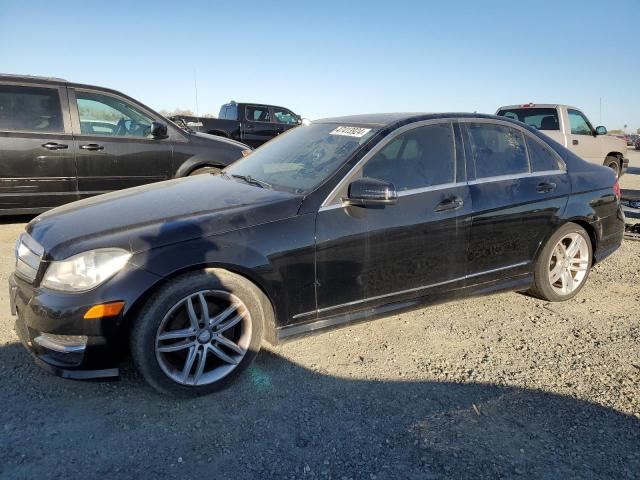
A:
[281, 420]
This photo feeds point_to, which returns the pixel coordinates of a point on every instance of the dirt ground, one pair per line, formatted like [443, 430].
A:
[496, 387]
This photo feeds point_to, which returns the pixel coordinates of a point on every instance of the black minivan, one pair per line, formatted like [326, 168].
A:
[61, 142]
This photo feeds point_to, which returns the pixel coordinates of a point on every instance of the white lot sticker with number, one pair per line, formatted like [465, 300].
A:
[357, 132]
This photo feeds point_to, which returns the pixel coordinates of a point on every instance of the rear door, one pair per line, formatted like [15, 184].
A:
[37, 167]
[114, 148]
[372, 256]
[519, 188]
[258, 126]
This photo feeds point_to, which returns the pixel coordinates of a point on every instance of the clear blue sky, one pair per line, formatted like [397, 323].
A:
[325, 58]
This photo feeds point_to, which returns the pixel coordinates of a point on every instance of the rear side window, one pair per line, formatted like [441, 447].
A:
[30, 109]
[497, 150]
[421, 157]
[258, 114]
[540, 118]
[541, 157]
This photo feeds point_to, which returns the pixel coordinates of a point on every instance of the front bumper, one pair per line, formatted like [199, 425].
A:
[53, 329]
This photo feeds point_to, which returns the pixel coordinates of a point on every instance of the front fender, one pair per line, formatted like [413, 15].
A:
[197, 161]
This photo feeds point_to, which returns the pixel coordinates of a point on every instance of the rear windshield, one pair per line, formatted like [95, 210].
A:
[540, 118]
[301, 159]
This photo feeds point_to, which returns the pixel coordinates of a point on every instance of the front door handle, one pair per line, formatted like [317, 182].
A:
[545, 187]
[54, 146]
[575, 142]
[451, 203]
[92, 146]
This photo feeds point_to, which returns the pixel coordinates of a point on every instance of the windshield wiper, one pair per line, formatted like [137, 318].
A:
[252, 181]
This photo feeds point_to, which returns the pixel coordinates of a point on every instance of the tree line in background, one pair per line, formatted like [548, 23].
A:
[184, 112]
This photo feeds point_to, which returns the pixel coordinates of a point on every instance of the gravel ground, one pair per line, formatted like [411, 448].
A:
[495, 387]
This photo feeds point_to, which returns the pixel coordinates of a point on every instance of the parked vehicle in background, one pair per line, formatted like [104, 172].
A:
[572, 129]
[250, 123]
[632, 139]
[638, 143]
[343, 220]
[62, 141]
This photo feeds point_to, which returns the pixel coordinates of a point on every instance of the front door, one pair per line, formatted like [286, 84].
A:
[284, 119]
[582, 140]
[519, 188]
[374, 256]
[258, 126]
[37, 167]
[114, 148]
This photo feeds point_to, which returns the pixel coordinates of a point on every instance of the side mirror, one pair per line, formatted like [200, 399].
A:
[305, 121]
[601, 130]
[159, 130]
[367, 192]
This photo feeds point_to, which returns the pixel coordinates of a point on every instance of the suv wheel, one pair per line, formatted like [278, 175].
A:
[198, 333]
[563, 266]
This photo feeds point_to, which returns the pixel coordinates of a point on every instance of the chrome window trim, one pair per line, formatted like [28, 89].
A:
[514, 176]
[328, 201]
[410, 290]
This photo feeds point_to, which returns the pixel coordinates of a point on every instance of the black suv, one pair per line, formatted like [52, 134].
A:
[61, 142]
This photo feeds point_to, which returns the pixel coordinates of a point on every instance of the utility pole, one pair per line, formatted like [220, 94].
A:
[600, 122]
[195, 87]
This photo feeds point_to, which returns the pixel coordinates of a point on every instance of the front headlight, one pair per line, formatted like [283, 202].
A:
[86, 270]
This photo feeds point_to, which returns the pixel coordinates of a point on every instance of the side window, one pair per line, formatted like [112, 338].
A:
[30, 109]
[232, 112]
[579, 123]
[284, 116]
[223, 112]
[541, 157]
[421, 157]
[107, 115]
[497, 150]
[258, 114]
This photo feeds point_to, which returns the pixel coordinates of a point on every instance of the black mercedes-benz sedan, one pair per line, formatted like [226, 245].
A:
[339, 221]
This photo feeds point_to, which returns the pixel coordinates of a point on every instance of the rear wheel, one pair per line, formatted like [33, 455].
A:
[204, 170]
[198, 333]
[563, 266]
[614, 164]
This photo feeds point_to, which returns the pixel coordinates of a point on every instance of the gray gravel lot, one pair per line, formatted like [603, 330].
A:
[496, 387]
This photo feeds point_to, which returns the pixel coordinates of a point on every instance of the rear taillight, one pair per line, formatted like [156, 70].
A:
[616, 189]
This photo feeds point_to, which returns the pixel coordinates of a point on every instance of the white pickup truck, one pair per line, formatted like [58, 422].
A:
[570, 127]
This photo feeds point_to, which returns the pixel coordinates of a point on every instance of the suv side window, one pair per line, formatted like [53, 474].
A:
[497, 150]
[30, 109]
[421, 157]
[541, 157]
[284, 116]
[258, 114]
[579, 123]
[106, 115]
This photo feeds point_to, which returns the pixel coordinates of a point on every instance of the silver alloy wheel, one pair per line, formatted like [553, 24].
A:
[568, 263]
[195, 347]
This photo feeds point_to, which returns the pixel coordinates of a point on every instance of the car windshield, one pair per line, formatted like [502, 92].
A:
[303, 158]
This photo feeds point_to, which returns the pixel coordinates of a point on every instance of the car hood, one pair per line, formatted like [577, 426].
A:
[206, 138]
[150, 216]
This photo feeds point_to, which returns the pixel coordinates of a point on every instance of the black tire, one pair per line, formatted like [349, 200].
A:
[204, 170]
[614, 164]
[542, 287]
[147, 324]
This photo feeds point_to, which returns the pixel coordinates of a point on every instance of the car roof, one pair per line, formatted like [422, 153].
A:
[7, 77]
[392, 119]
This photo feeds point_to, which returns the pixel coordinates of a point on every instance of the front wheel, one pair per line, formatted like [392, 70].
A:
[614, 164]
[563, 265]
[204, 170]
[198, 333]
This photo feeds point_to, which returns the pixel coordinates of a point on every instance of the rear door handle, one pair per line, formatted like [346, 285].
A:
[545, 187]
[54, 146]
[575, 142]
[248, 126]
[448, 204]
[92, 146]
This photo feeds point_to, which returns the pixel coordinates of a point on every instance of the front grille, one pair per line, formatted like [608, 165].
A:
[28, 257]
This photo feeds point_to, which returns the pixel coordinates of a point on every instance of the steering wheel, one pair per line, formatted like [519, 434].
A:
[121, 128]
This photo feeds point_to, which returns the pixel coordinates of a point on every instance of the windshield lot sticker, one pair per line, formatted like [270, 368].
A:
[350, 131]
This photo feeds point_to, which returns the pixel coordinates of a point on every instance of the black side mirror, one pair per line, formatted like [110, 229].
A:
[159, 130]
[601, 130]
[367, 192]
